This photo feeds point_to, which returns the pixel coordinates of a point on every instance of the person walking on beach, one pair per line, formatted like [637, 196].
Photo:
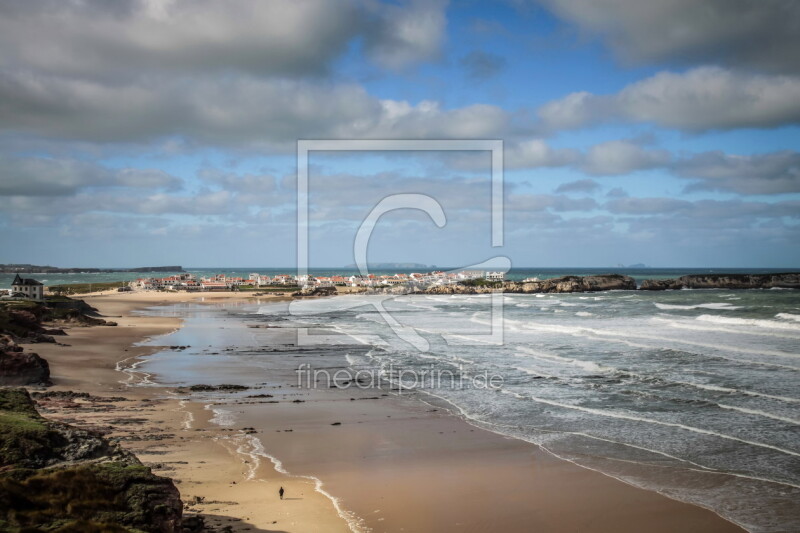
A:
[280, 493]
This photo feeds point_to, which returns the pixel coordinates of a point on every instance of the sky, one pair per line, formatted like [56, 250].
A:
[162, 132]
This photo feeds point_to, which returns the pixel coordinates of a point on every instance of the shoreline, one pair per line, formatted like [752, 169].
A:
[494, 454]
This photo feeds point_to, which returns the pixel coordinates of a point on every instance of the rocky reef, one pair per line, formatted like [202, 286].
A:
[315, 291]
[725, 281]
[564, 284]
[56, 477]
[602, 282]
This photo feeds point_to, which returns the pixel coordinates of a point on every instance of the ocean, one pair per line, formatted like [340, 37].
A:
[639, 274]
[693, 393]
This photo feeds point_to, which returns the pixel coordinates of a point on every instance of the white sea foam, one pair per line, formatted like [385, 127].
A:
[764, 414]
[716, 305]
[188, 417]
[669, 320]
[222, 417]
[788, 316]
[746, 392]
[589, 366]
[584, 313]
[252, 447]
[757, 322]
[693, 429]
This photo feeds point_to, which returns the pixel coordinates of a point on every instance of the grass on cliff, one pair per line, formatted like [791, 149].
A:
[23, 432]
[89, 498]
[83, 288]
[113, 496]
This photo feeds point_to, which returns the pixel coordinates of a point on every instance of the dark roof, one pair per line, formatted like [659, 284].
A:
[24, 281]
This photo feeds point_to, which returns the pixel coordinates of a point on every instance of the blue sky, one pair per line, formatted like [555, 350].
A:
[164, 131]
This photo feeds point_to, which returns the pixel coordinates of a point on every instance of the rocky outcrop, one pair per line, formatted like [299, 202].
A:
[725, 281]
[565, 284]
[24, 323]
[315, 291]
[21, 368]
[603, 282]
[55, 476]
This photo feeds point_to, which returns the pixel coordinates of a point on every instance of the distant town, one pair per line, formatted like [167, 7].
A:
[191, 282]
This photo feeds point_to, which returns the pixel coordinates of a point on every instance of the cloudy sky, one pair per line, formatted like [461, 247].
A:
[141, 132]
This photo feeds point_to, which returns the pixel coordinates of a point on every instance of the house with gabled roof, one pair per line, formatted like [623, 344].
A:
[27, 287]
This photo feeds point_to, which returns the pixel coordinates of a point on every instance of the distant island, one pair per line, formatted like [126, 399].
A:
[40, 269]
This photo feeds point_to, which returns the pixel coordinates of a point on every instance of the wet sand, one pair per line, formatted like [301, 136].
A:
[392, 463]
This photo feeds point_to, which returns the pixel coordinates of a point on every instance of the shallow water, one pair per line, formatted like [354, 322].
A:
[692, 393]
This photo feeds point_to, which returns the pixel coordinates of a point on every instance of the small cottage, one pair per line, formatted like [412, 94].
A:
[27, 287]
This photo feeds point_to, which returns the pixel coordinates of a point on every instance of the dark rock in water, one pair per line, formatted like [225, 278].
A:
[222, 388]
[21, 368]
[54, 476]
[564, 284]
[789, 280]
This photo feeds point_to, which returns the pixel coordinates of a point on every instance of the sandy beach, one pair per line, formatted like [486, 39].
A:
[349, 460]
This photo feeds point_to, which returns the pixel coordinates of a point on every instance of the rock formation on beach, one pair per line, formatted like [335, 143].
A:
[315, 291]
[31, 322]
[602, 282]
[725, 281]
[564, 284]
[21, 368]
[56, 477]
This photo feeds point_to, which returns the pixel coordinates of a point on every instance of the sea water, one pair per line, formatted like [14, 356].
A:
[692, 393]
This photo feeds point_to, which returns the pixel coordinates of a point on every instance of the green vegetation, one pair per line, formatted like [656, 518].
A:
[25, 437]
[96, 497]
[116, 496]
[83, 288]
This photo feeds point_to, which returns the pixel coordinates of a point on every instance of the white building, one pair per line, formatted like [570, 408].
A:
[27, 287]
[495, 276]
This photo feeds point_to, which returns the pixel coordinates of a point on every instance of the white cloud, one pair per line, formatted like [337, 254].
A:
[700, 99]
[622, 157]
[240, 111]
[536, 153]
[584, 186]
[39, 176]
[408, 33]
[756, 33]
[99, 39]
[772, 173]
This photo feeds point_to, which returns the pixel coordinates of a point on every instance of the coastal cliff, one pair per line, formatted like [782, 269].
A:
[21, 368]
[789, 280]
[36, 322]
[56, 477]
